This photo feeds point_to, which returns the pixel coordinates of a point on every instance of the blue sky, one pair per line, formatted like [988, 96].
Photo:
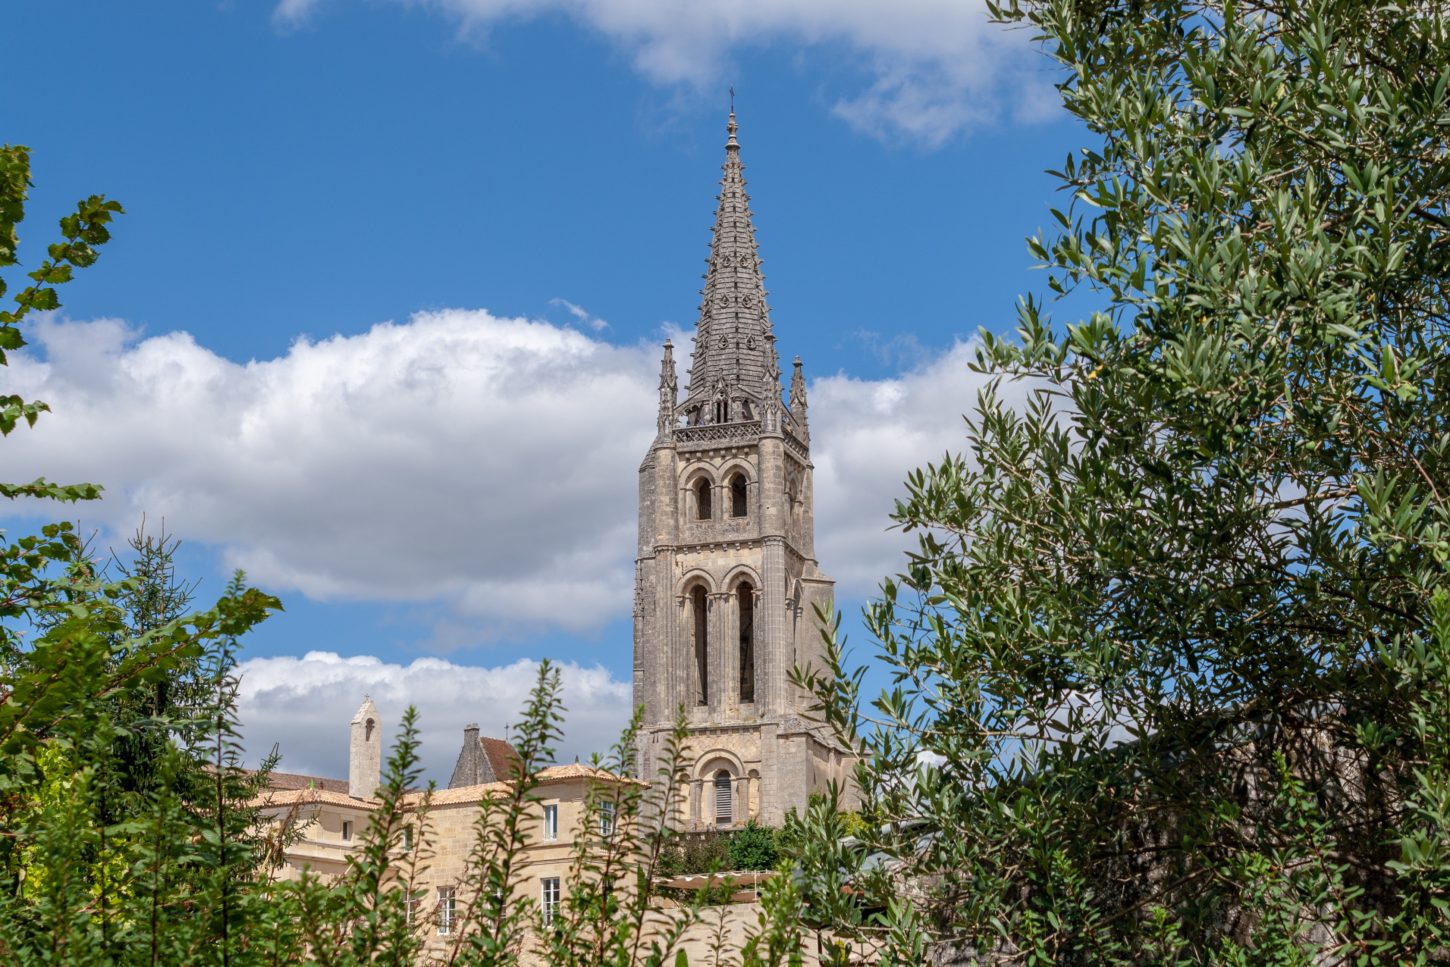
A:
[382, 321]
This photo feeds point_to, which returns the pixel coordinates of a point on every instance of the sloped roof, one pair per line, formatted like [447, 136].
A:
[285, 781]
[483, 759]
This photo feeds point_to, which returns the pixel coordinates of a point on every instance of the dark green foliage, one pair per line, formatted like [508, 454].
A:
[753, 848]
[1174, 634]
[129, 837]
[701, 852]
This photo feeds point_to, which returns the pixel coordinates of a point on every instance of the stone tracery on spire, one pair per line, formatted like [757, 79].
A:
[734, 345]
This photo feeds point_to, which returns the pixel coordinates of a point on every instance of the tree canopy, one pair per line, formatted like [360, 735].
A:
[1176, 634]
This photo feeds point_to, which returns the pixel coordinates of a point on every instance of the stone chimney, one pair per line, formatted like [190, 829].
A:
[365, 752]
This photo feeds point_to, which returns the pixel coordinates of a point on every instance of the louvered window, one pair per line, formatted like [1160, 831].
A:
[722, 798]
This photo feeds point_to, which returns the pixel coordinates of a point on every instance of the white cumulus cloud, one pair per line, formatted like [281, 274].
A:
[867, 435]
[458, 458]
[461, 461]
[932, 67]
[303, 706]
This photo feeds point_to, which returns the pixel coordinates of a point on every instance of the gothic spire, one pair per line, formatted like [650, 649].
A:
[734, 346]
[798, 402]
[669, 389]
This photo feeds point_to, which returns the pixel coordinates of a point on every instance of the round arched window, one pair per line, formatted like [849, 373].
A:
[722, 798]
[703, 510]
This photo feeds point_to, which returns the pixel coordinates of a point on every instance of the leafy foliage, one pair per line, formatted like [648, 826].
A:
[129, 836]
[1173, 633]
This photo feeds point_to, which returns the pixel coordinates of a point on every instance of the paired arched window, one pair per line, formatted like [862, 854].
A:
[703, 508]
[738, 496]
[745, 614]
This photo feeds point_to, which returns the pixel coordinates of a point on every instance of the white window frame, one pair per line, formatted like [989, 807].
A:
[447, 897]
[549, 905]
[410, 906]
[551, 821]
[608, 809]
[347, 830]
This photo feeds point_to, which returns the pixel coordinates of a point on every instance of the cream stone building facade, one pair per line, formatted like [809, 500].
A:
[727, 585]
[328, 820]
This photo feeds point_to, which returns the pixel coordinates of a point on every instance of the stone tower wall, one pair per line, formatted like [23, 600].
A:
[756, 754]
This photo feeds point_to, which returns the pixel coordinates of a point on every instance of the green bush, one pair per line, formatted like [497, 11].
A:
[753, 848]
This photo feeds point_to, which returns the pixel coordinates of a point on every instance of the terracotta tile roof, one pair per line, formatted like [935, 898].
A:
[299, 794]
[502, 757]
[459, 795]
[304, 796]
[280, 781]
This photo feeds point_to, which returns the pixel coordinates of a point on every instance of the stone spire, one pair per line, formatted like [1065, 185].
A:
[734, 348]
[669, 389]
[364, 751]
[798, 403]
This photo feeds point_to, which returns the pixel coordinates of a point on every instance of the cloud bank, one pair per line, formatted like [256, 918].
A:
[933, 68]
[460, 460]
[304, 705]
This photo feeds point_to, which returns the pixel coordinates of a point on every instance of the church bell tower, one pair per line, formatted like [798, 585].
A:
[726, 582]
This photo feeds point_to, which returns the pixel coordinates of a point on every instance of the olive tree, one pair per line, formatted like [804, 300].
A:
[1171, 659]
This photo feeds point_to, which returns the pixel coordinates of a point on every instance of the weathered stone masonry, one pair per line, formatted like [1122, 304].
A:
[726, 581]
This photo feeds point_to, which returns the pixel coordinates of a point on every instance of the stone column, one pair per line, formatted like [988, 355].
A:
[740, 801]
[730, 651]
[679, 661]
[716, 632]
[773, 650]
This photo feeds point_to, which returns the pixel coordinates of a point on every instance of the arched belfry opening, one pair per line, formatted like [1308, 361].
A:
[739, 496]
[703, 509]
[699, 607]
[745, 613]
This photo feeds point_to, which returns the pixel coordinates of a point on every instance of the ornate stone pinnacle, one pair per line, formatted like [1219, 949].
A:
[669, 389]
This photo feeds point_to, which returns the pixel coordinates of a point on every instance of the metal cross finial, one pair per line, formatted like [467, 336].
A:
[732, 98]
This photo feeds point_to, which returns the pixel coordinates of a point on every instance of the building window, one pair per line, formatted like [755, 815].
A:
[408, 838]
[606, 817]
[346, 829]
[551, 821]
[703, 510]
[738, 494]
[745, 605]
[722, 798]
[549, 898]
[410, 906]
[702, 648]
[445, 910]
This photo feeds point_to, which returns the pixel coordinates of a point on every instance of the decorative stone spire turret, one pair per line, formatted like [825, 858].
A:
[770, 393]
[798, 403]
[364, 751]
[669, 389]
[734, 349]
